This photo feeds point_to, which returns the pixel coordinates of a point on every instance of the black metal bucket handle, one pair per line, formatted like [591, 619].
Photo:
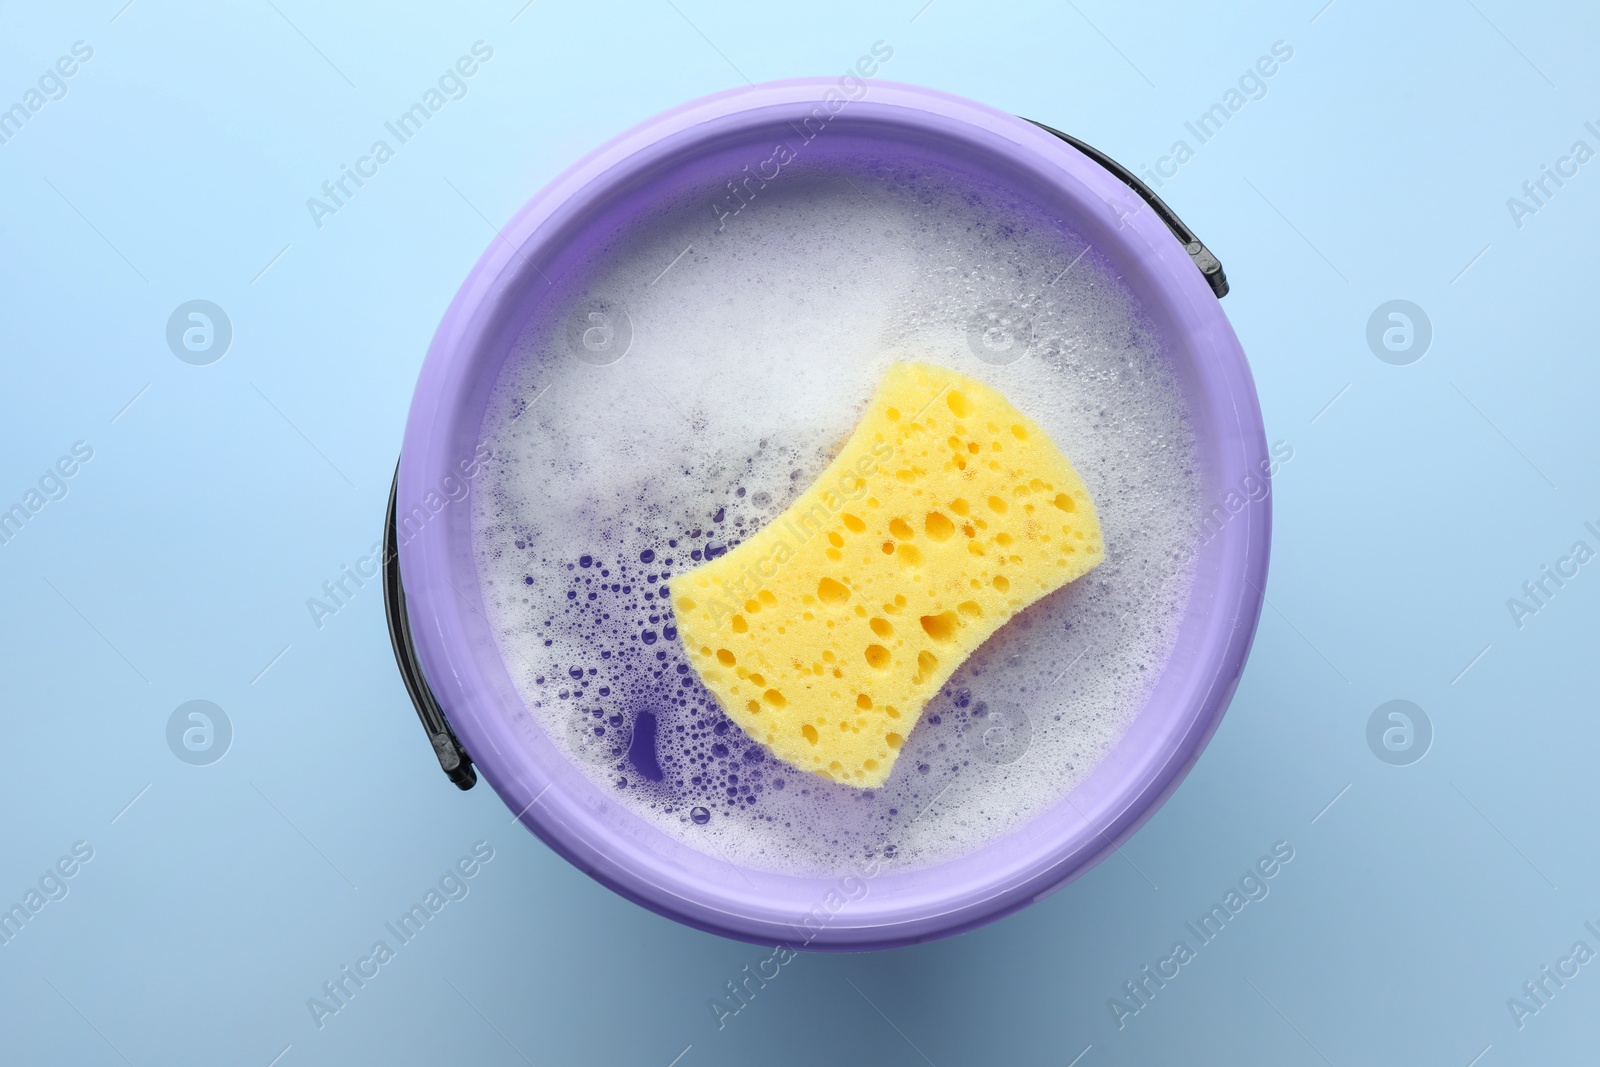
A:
[453, 759]
[1209, 266]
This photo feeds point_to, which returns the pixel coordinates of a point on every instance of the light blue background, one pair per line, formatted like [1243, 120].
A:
[178, 567]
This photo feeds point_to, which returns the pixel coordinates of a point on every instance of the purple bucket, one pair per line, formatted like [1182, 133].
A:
[453, 666]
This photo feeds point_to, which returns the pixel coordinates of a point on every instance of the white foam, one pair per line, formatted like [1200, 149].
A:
[752, 357]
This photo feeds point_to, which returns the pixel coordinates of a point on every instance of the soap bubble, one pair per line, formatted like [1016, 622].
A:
[593, 737]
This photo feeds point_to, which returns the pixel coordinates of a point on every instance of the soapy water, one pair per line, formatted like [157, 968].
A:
[683, 388]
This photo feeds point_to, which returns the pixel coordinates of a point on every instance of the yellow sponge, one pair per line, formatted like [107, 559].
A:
[946, 513]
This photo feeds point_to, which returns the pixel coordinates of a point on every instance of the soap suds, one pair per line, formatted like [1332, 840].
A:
[750, 355]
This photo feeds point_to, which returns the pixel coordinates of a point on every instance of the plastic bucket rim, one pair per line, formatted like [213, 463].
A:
[439, 623]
